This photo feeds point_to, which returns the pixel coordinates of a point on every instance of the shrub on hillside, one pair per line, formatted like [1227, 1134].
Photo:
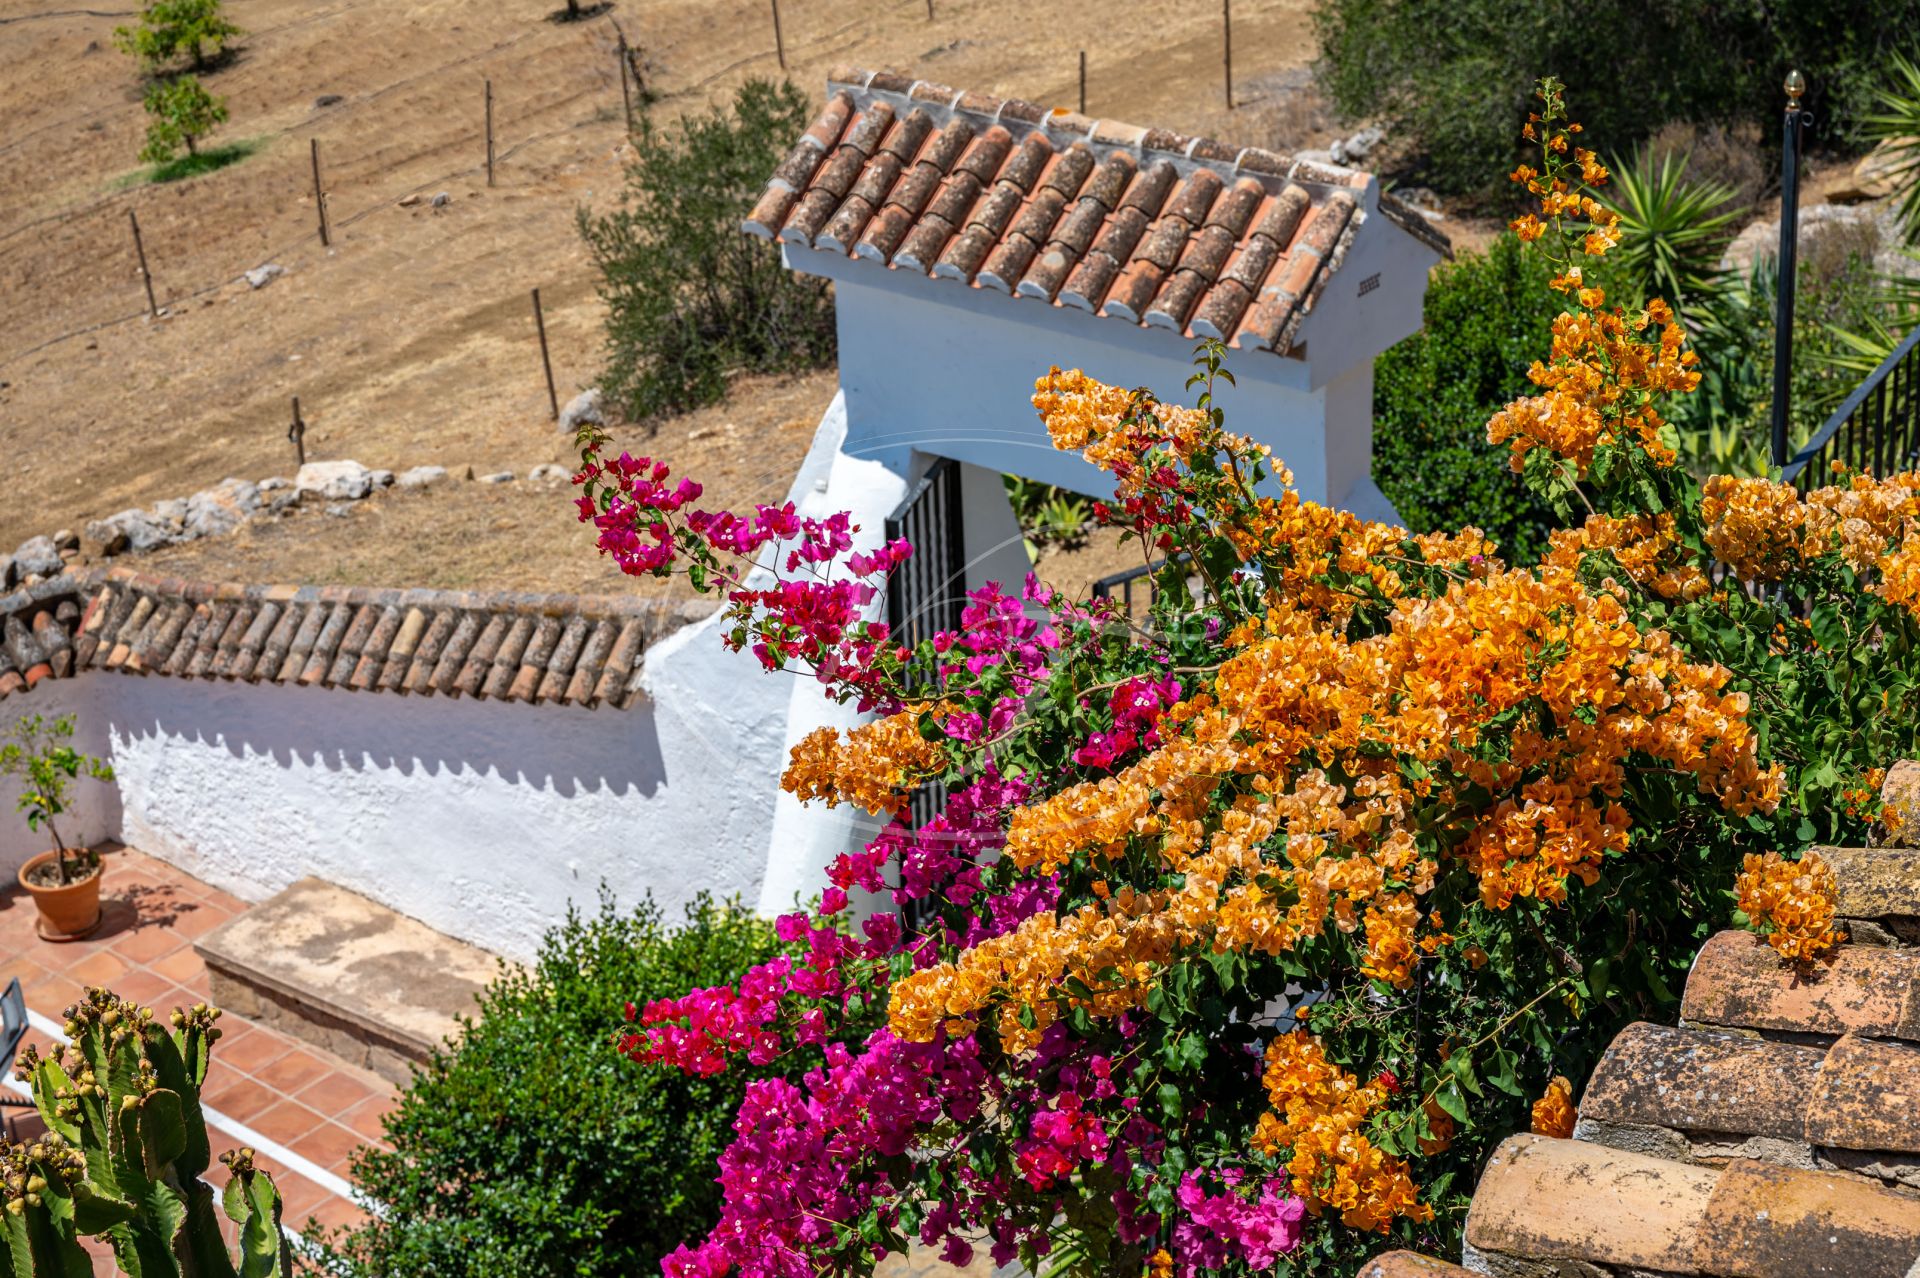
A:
[1487, 316]
[1449, 75]
[180, 112]
[168, 28]
[691, 301]
[531, 1148]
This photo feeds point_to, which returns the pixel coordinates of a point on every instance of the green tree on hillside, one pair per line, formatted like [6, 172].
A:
[168, 28]
[182, 112]
[690, 300]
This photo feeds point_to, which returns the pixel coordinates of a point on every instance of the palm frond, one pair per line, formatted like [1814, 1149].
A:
[1895, 126]
[1673, 229]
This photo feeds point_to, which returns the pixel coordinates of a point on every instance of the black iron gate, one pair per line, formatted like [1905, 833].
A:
[928, 592]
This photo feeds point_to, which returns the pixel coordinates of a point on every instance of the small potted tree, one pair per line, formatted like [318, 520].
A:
[64, 882]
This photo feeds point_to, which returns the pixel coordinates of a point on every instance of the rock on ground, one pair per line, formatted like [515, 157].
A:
[498, 477]
[421, 477]
[37, 557]
[221, 509]
[128, 530]
[261, 276]
[549, 470]
[582, 408]
[334, 480]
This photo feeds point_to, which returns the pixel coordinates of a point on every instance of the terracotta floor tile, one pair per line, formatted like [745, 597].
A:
[99, 968]
[239, 1097]
[50, 994]
[338, 1213]
[198, 918]
[364, 1119]
[334, 1093]
[253, 1051]
[184, 966]
[286, 1122]
[223, 900]
[299, 1195]
[21, 968]
[145, 987]
[145, 944]
[295, 1070]
[331, 1146]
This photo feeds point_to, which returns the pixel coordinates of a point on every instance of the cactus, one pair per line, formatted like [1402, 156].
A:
[122, 1157]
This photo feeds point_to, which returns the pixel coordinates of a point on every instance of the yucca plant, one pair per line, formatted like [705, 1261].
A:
[1895, 127]
[1882, 326]
[1673, 229]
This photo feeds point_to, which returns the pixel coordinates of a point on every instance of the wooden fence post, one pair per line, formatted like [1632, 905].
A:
[546, 363]
[1083, 82]
[779, 45]
[146, 276]
[320, 196]
[297, 432]
[1226, 47]
[489, 133]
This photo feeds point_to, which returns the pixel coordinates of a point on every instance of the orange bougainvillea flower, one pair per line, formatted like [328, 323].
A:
[1554, 1113]
[1790, 903]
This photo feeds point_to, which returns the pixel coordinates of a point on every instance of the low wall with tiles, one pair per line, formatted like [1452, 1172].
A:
[482, 820]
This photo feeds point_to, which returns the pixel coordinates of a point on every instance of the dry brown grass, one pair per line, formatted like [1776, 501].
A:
[410, 341]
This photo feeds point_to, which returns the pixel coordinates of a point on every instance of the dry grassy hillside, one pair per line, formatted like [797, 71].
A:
[411, 341]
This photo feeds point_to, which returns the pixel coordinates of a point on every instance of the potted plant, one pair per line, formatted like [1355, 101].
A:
[64, 882]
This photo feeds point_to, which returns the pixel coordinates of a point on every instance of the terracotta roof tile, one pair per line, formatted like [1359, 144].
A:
[1559, 1205]
[1404, 1264]
[1008, 196]
[373, 652]
[1695, 1080]
[506, 662]
[568, 649]
[479, 663]
[1739, 982]
[1542, 1198]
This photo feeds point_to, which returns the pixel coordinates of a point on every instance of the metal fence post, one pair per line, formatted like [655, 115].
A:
[1786, 264]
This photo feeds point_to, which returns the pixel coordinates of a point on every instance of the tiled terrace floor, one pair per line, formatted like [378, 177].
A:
[300, 1097]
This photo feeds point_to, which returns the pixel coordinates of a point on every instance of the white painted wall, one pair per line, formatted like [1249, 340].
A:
[945, 368]
[481, 820]
[95, 814]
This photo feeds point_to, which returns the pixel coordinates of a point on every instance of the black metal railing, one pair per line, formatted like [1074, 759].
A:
[928, 592]
[1876, 429]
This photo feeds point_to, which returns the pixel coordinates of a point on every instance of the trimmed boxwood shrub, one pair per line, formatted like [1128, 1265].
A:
[1488, 317]
[533, 1148]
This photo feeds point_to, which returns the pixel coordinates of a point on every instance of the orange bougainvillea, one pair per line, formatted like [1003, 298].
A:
[1318, 1121]
[873, 766]
[1791, 903]
[1554, 1113]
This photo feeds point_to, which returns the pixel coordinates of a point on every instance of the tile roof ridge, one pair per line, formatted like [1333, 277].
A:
[534, 603]
[1064, 127]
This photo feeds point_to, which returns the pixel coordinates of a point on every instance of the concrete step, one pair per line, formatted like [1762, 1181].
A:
[329, 966]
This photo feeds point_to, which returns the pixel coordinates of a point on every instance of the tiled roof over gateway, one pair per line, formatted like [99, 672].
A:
[573, 650]
[1142, 225]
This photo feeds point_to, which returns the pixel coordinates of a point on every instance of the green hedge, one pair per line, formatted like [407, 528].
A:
[534, 1149]
[1488, 317]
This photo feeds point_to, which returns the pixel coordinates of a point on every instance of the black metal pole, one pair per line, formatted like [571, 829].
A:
[1786, 267]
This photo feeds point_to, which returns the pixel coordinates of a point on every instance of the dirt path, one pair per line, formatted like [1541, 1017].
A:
[411, 340]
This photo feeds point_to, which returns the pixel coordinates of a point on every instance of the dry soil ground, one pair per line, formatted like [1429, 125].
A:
[411, 340]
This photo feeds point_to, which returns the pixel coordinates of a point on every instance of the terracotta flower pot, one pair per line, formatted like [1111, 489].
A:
[67, 912]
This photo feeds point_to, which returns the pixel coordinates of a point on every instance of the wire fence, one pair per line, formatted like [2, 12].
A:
[107, 210]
